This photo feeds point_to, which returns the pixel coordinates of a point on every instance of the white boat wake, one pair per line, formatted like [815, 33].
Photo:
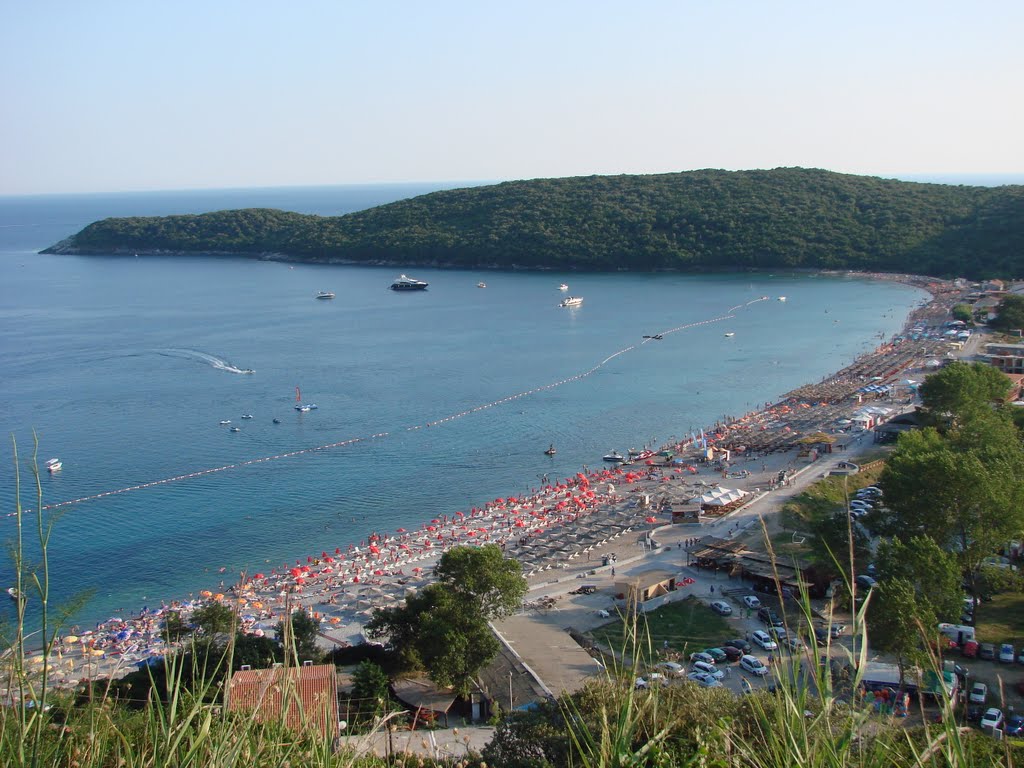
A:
[204, 358]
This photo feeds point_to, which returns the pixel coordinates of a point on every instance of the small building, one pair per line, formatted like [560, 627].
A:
[897, 425]
[1008, 358]
[298, 697]
[425, 699]
[648, 585]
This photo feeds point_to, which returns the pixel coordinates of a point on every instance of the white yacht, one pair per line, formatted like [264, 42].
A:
[615, 457]
[53, 465]
[571, 301]
[563, 287]
[405, 283]
[325, 295]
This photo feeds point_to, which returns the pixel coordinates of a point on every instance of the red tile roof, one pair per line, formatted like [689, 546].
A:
[297, 695]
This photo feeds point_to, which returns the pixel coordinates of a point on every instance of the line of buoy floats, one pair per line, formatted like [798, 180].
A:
[379, 435]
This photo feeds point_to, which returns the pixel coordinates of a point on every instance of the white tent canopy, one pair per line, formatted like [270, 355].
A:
[720, 497]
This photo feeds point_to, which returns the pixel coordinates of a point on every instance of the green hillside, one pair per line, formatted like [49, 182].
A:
[698, 220]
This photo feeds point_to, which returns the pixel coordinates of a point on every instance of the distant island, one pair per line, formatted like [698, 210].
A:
[786, 218]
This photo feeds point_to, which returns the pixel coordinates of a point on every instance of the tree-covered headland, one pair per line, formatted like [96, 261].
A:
[787, 218]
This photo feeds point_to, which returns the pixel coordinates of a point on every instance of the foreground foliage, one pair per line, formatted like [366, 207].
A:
[698, 220]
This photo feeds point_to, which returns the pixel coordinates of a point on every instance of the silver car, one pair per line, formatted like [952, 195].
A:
[722, 608]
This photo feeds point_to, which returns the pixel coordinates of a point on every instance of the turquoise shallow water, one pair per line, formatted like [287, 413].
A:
[125, 367]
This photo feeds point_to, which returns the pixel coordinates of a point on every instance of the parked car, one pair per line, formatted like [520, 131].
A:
[975, 712]
[1006, 654]
[709, 669]
[770, 617]
[753, 665]
[739, 643]
[1020, 655]
[794, 644]
[732, 653]
[978, 694]
[751, 601]
[969, 649]
[992, 719]
[701, 656]
[835, 630]
[672, 668]
[861, 504]
[1014, 726]
[703, 680]
[721, 607]
[986, 651]
[763, 639]
[865, 582]
[715, 653]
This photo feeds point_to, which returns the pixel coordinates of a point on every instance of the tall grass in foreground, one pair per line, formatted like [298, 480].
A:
[181, 722]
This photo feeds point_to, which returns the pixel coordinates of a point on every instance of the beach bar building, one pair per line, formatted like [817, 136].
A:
[298, 697]
[656, 584]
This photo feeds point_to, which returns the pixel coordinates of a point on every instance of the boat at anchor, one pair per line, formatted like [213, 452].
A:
[571, 301]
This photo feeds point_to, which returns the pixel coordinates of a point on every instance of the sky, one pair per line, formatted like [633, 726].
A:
[105, 96]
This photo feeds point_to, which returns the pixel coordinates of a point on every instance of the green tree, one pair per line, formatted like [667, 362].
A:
[831, 538]
[960, 389]
[444, 628]
[963, 489]
[214, 618]
[174, 627]
[257, 652]
[298, 639]
[369, 692]
[484, 577]
[899, 623]
[1009, 313]
[932, 573]
[963, 312]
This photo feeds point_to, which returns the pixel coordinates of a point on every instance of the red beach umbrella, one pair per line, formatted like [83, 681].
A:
[258, 576]
[652, 519]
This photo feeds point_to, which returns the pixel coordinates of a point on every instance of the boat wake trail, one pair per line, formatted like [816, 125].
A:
[205, 359]
[216, 362]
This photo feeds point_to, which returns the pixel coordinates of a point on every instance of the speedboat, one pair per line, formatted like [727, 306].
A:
[481, 284]
[305, 407]
[236, 429]
[248, 370]
[247, 416]
[572, 301]
[405, 283]
[729, 335]
[277, 421]
[551, 450]
[782, 298]
[225, 422]
[14, 594]
[54, 465]
[325, 295]
[563, 287]
[614, 457]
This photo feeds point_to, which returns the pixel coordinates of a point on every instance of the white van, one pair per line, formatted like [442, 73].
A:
[958, 633]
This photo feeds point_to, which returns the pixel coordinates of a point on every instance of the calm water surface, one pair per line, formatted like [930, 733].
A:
[125, 367]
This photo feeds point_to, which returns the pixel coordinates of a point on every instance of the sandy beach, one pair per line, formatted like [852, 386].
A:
[556, 531]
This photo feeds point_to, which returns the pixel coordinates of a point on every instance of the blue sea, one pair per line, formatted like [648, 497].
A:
[125, 367]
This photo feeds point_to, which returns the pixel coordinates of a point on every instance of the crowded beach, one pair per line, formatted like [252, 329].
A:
[557, 526]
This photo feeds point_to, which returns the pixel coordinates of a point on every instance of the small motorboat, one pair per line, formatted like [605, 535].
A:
[225, 422]
[481, 284]
[248, 370]
[551, 450]
[325, 294]
[782, 298]
[236, 429]
[571, 301]
[54, 465]
[277, 421]
[615, 457]
[247, 416]
[14, 594]
[729, 335]
[563, 287]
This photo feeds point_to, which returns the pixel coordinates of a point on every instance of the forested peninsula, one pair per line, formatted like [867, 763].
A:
[786, 218]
